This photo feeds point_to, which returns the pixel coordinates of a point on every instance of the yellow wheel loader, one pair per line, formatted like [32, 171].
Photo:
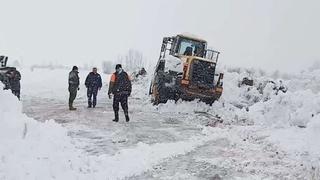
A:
[186, 70]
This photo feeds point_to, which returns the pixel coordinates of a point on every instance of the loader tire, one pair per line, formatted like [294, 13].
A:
[160, 94]
[210, 101]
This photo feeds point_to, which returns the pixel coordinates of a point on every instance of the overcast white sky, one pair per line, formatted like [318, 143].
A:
[270, 34]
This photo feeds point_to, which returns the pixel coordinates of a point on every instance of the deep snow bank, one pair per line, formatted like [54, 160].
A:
[292, 119]
[265, 106]
[33, 150]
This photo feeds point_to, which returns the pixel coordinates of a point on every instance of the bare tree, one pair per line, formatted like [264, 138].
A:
[132, 61]
[107, 67]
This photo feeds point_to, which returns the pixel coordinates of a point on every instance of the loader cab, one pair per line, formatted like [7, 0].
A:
[183, 45]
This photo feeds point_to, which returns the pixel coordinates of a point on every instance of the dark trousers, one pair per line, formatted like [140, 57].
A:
[72, 96]
[123, 100]
[92, 92]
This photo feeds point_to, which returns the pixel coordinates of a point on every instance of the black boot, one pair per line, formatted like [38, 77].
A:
[94, 103]
[126, 114]
[116, 117]
[127, 118]
[71, 108]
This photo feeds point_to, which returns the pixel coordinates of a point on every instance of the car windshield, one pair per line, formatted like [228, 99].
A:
[191, 48]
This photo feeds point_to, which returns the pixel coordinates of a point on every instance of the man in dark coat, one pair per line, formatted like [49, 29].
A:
[142, 72]
[14, 78]
[93, 84]
[120, 87]
[74, 82]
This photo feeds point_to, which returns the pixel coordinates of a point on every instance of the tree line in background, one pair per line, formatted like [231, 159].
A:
[132, 61]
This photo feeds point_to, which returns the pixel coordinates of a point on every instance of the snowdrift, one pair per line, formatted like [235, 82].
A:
[291, 120]
[33, 150]
[293, 117]
[297, 107]
[251, 105]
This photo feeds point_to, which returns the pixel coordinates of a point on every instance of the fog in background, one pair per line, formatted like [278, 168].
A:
[272, 34]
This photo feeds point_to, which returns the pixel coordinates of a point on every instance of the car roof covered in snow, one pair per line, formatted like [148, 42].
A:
[191, 36]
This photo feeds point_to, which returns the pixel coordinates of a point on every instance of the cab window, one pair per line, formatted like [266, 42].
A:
[191, 48]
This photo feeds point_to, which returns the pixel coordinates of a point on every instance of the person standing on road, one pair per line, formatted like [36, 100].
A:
[74, 82]
[93, 84]
[120, 86]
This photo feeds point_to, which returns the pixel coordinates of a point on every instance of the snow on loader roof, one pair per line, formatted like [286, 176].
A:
[191, 36]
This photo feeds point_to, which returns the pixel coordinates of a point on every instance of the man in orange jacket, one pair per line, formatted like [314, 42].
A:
[120, 86]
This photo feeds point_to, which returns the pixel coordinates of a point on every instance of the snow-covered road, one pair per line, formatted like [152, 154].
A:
[171, 141]
[228, 152]
[95, 126]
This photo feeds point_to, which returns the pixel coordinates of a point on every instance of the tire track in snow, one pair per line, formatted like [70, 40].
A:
[134, 161]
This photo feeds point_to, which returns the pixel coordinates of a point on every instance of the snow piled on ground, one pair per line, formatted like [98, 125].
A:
[33, 150]
[288, 121]
[293, 116]
[299, 107]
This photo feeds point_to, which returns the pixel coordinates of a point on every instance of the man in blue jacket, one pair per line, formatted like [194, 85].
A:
[93, 84]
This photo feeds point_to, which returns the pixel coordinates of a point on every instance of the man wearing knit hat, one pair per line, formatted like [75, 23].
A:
[120, 86]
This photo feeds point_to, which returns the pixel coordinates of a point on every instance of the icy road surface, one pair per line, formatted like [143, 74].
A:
[183, 141]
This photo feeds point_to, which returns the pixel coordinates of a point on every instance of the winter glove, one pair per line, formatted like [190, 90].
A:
[78, 88]
[109, 96]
